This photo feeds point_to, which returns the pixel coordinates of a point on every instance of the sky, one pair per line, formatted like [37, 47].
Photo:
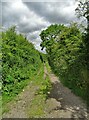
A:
[32, 16]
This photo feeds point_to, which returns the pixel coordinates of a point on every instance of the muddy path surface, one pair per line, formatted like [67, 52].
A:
[61, 102]
[69, 105]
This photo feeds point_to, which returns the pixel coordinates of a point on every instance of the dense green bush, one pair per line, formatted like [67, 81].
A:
[66, 55]
[19, 60]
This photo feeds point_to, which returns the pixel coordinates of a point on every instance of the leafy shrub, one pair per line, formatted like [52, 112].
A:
[19, 60]
[67, 56]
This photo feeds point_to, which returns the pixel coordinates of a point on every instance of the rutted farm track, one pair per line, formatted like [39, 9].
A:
[61, 102]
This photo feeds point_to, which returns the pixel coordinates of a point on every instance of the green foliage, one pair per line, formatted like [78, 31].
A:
[66, 55]
[45, 87]
[83, 11]
[48, 36]
[19, 61]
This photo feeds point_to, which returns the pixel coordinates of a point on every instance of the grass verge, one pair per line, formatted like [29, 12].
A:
[36, 108]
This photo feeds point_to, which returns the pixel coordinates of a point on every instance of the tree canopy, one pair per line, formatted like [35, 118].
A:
[66, 55]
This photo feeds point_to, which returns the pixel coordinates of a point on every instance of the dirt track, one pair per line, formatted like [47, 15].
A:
[69, 105]
[61, 102]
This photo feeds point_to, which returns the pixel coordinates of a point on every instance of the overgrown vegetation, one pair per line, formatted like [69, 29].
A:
[83, 11]
[66, 56]
[68, 52]
[20, 62]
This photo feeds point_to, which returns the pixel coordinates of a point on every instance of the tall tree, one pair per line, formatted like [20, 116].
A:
[83, 11]
[49, 36]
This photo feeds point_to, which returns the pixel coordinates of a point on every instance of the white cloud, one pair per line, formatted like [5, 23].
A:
[32, 17]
